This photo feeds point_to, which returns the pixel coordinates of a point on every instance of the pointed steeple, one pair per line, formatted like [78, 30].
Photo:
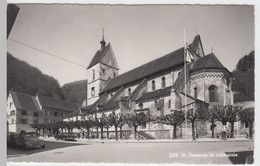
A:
[102, 42]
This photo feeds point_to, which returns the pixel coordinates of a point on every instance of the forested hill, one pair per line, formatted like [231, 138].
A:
[244, 78]
[22, 77]
[75, 91]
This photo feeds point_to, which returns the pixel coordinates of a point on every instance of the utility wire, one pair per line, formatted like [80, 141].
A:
[47, 53]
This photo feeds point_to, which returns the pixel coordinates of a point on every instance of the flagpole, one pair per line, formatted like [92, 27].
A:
[185, 101]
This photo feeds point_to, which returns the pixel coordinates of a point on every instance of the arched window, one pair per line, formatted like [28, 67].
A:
[104, 71]
[195, 92]
[163, 82]
[141, 105]
[129, 91]
[153, 85]
[212, 93]
[114, 74]
[93, 91]
[169, 103]
[93, 74]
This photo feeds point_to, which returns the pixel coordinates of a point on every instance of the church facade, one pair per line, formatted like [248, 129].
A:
[157, 87]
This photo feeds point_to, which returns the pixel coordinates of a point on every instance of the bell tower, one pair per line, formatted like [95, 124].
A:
[102, 68]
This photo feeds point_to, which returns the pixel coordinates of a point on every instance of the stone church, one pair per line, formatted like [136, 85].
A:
[157, 87]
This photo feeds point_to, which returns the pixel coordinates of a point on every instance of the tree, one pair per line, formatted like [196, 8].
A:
[115, 121]
[100, 122]
[122, 120]
[232, 113]
[248, 115]
[211, 116]
[175, 119]
[137, 119]
[69, 126]
[87, 124]
[108, 124]
[194, 115]
[226, 114]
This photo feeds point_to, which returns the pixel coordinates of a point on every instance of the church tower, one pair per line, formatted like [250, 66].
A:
[102, 68]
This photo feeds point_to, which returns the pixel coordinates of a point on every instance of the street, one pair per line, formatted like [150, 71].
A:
[188, 153]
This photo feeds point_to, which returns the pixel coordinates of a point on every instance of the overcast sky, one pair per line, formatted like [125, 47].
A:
[138, 34]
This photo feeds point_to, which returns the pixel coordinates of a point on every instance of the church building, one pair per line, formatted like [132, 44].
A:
[157, 87]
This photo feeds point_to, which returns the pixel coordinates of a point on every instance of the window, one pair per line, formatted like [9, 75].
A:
[141, 105]
[93, 74]
[35, 121]
[10, 104]
[35, 114]
[12, 121]
[55, 113]
[169, 103]
[212, 93]
[23, 121]
[153, 85]
[104, 71]
[24, 112]
[93, 91]
[163, 82]
[114, 74]
[195, 92]
[129, 91]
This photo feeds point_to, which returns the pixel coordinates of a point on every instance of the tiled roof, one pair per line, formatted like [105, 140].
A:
[208, 61]
[170, 60]
[165, 62]
[25, 102]
[98, 56]
[57, 104]
[155, 94]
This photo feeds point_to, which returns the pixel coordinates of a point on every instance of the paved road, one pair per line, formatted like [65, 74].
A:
[190, 153]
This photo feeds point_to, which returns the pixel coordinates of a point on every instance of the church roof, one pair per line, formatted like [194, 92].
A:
[165, 62]
[208, 61]
[53, 103]
[25, 102]
[155, 94]
[170, 60]
[99, 55]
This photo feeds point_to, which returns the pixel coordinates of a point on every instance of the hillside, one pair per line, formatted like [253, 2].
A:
[75, 91]
[22, 77]
[244, 78]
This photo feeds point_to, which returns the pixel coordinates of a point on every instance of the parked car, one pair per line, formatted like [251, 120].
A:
[25, 140]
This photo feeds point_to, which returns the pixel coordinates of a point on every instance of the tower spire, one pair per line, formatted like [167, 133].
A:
[102, 42]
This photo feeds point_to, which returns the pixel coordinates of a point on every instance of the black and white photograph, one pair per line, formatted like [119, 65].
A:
[130, 84]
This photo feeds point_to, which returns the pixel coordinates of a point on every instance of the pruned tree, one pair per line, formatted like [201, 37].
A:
[193, 115]
[224, 114]
[174, 119]
[87, 124]
[248, 115]
[137, 119]
[122, 120]
[100, 123]
[108, 124]
[115, 120]
[232, 113]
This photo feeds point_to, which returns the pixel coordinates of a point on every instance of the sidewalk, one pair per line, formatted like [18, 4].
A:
[198, 140]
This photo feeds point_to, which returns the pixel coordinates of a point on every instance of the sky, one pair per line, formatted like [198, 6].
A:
[137, 33]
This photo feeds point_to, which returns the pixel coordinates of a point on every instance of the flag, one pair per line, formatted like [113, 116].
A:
[188, 56]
